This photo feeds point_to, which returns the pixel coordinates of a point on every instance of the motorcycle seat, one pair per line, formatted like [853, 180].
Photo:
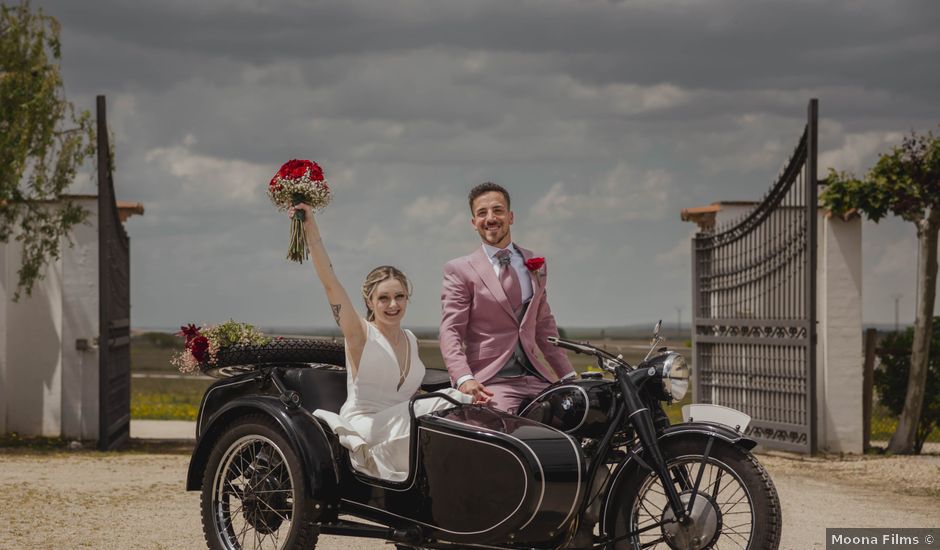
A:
[319, 386]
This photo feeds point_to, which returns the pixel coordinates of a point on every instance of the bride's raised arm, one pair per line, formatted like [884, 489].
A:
[350, 323]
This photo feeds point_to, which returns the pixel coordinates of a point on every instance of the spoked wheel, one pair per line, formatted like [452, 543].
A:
[735, 506]
[253, 494]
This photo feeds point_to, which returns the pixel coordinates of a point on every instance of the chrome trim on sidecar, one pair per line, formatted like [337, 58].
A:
[521, 501]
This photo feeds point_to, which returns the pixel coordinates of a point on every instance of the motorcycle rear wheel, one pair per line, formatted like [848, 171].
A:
[253, 494]
[736, 506]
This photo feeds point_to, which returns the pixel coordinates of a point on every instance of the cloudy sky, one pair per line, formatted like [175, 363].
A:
[604, 119]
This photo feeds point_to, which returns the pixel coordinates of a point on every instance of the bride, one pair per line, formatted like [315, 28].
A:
[383, 369]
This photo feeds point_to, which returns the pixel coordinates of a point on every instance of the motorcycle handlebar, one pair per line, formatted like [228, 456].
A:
[576, 347]
[584, 347]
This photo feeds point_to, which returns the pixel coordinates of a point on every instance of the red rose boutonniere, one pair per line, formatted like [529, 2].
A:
[536, 265]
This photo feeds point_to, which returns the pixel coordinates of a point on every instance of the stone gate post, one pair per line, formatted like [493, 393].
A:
[839, 333]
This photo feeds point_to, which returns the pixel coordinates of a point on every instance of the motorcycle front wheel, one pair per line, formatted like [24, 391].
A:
[736, 505]
[253, 495]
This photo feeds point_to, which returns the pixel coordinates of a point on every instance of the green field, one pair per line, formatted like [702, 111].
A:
[166, 399]
[178, 399]
[151, 352]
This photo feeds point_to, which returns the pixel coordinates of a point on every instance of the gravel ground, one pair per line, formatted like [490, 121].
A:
[86, 499]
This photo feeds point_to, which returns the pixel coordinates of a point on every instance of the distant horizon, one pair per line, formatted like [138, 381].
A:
[636, 328]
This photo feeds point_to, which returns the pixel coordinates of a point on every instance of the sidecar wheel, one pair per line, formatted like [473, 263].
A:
[736, 506]
[253, 493]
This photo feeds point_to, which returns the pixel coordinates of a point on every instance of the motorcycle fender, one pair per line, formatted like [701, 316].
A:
[710, 429]
[701, 430]
[304, 433]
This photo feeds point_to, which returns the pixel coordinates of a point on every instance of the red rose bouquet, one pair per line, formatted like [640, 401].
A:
[203, 343]
[299, 181]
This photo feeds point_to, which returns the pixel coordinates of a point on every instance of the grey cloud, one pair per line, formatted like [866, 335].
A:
[410, 102]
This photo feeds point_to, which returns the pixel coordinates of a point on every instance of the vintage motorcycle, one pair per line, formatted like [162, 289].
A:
[589, 463]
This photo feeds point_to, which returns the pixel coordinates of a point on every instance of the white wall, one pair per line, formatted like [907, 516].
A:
[33, 383]
[47, 387]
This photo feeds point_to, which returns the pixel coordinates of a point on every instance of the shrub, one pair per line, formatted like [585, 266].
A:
[891, 379]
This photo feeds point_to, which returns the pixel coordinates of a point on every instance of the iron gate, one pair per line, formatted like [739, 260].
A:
[114, 367]
[754, 303]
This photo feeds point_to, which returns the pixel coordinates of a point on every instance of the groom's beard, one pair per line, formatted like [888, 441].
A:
[496, 236]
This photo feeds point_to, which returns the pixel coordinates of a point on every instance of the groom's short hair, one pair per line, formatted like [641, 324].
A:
[486, 187]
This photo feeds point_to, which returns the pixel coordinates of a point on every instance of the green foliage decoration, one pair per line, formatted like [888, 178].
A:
[232, 333]
[43, 141]
[891, 379]
[904, 182]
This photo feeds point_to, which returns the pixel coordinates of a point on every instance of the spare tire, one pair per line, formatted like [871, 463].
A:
[279, 351]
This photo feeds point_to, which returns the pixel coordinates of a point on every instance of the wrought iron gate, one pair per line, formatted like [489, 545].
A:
[114, 367]
[754, 302]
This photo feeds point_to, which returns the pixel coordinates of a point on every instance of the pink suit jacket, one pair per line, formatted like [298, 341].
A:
[479, 330]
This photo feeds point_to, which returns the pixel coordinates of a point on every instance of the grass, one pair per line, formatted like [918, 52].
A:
[16, 444]
[883, 425]
[166, 399]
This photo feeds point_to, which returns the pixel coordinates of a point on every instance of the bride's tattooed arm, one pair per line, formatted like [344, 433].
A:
[336, 309]
[352, 325]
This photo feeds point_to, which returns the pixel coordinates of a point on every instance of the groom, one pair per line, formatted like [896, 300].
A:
[495, 313]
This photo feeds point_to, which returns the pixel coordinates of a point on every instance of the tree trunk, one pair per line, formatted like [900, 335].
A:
[902, 442]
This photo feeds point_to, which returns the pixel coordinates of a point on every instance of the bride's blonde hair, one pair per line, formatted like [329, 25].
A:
[376, 276]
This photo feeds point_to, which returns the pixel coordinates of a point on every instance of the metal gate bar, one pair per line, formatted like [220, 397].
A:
[114, 374]
[754, 303]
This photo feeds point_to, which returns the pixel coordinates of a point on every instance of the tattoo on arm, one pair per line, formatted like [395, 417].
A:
[336, 308]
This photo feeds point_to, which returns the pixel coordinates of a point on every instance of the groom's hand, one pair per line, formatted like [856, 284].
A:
[476, 390]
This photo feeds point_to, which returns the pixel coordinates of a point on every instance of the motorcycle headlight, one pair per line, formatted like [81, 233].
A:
[676, 374]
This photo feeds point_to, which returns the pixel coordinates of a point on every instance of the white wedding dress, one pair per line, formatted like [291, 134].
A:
[374, 423]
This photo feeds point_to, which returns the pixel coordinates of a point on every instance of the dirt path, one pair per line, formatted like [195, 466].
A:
[92, 500]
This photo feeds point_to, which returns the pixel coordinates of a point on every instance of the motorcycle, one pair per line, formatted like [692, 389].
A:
[590, 463]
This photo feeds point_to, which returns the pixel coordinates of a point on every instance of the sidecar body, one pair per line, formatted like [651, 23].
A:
[477, 475]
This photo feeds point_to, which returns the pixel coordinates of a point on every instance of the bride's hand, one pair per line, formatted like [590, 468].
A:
[301, 207]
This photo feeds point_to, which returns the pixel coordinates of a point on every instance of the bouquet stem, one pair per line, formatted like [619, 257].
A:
[297, 251]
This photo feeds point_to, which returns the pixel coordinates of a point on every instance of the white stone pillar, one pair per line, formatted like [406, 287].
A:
[839, 335]
[80, 301]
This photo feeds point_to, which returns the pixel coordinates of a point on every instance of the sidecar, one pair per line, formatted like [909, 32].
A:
[273, 475]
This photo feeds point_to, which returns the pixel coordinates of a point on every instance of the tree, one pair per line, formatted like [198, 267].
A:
[906, 183]
[43, 142]
[894, 353]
